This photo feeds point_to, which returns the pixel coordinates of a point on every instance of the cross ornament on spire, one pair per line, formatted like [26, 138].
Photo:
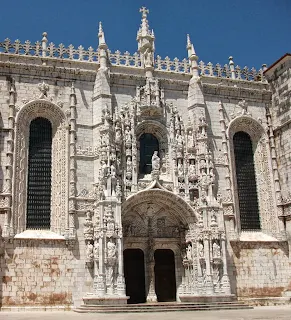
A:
[144, 11]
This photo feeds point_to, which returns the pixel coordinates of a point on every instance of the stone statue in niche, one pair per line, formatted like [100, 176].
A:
[118, 139]
[89, 252]
[201, 249]
[216, 250]
[103, 170]
[127, 136]
[179, 140]
[148, 58]
[113, 171]
[111, 249]
[180, 170]
[96, 250]
[155, 161]
[128, 168]
[190, 139]
[192, 171]
[189, 253]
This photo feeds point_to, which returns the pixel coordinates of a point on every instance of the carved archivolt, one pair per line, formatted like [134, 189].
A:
[59, 206]
[165, 199]
[263, 169]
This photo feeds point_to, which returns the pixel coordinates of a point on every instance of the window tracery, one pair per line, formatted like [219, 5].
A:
[39, 174]
[59, 169]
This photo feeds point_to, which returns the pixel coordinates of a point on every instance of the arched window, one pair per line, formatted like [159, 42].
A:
[39, 174]
[246, 182]
[148, 144]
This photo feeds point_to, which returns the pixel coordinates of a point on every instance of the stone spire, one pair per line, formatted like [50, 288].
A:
[193, 58]
[102, 47]
[146, 44]
[101, 36]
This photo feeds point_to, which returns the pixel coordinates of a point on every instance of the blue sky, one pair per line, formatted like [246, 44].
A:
[252, 31]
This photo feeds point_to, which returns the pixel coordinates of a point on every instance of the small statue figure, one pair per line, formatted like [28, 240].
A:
[127, 135]
[216, 250]
[189, 252]
[111, 249]
[103, 170]
[113, 171]
[148, 60]
[180, 169]
[118, 136]
[155, 161]
[201, 250]
[96, 250]
[89, 252]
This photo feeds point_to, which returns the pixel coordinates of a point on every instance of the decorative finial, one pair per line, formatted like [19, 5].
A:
[44, 45]
[101, 35]
[231, 66]
[144, 11]
[190, 48]
[264, 67]
[146, 43]
[188, 41]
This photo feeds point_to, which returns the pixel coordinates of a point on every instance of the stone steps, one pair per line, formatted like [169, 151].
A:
[161, 307]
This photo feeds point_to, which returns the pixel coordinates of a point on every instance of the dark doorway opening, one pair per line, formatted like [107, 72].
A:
[165, 280]
[134, 273]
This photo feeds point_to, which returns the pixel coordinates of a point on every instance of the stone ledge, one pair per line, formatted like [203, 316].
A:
[92, 300]
[35, 308]
[256, 236]
[266, 301]
[39, 234]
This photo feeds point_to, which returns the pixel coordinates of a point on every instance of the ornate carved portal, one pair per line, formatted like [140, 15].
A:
[151, 227]
[157, 220]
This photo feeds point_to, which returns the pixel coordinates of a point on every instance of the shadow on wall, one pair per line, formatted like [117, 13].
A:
[232, 271]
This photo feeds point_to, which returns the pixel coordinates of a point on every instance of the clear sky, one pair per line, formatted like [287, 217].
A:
[252, 31]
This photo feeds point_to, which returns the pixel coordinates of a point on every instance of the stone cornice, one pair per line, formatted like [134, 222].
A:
[236, 89]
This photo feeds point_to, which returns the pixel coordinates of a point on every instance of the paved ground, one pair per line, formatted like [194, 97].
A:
[259, 313]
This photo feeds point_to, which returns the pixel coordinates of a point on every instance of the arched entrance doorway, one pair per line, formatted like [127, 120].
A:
[155, 221]
[165, 279]
[134, 274]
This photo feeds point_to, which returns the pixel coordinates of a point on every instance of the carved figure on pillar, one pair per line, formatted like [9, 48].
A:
[201, 249]
[89, 253]
[216, 250]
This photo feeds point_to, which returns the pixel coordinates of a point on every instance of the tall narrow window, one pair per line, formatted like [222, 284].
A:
[148, 144]
[246, 182]
[39, 174]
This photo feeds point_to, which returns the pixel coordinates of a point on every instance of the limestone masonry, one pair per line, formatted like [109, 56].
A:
[131, 178]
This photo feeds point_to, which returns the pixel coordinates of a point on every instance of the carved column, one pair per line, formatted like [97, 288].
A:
[208, 277]
[225, 278]
[72, 163]
[120, 274]
[7, 190]
[151, 296]
[100, 281]
[228, 199]
[278, 194]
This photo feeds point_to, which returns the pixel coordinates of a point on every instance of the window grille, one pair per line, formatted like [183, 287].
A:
[39, 174]
[148, 144]
[246, 182]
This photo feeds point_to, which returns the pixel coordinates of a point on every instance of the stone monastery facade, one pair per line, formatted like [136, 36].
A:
[132, 177]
